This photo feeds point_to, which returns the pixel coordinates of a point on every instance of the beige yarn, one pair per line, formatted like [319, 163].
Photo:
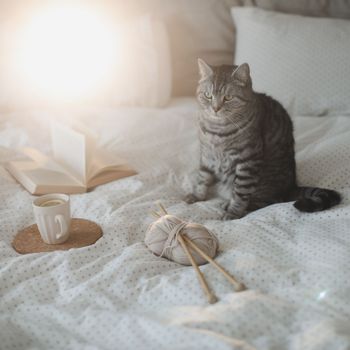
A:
[161, 239]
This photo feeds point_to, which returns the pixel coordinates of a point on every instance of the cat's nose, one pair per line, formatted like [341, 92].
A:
[216, 108]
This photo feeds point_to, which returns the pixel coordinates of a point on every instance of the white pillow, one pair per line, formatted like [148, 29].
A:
[141, 75]
[303, 62]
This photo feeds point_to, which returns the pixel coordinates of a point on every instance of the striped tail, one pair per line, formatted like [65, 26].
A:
[311, 199]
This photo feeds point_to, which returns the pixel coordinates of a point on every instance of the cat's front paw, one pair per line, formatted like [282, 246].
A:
[229, 216]
[224, 204]
[191, 198]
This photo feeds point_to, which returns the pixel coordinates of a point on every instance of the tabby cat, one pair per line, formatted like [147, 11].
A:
[247, 146]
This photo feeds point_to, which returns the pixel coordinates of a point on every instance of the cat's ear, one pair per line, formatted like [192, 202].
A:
[204, 69]
[241, 75]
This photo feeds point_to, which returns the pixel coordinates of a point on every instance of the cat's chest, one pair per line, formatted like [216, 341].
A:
[219, 161]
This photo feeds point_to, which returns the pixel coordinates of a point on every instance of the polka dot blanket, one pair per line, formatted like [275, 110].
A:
[117, 295]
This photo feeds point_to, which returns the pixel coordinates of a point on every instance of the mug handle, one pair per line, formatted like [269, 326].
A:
[63, 225]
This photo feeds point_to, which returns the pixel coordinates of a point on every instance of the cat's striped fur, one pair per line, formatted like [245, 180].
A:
[247, 146]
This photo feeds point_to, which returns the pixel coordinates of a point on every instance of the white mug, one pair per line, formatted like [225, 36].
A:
[52, 215]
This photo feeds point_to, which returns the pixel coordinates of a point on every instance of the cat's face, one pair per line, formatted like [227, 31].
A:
[223, 90]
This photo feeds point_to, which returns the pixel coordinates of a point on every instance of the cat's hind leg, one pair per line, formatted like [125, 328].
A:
[245, 184]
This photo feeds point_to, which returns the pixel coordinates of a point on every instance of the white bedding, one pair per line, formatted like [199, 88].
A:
[117, 295]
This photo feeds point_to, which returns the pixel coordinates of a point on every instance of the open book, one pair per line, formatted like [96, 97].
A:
[76, 166]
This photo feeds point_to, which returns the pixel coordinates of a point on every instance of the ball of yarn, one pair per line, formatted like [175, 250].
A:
[161, 239]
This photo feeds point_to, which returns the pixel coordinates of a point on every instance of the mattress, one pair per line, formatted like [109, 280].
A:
[117, 295]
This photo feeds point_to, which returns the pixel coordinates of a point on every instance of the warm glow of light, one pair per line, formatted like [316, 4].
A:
[66, 52]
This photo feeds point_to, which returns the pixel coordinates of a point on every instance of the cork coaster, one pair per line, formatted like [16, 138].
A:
[83, 233]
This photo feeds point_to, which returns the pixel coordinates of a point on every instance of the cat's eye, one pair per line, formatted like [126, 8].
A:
[208, 95]
[228, 97]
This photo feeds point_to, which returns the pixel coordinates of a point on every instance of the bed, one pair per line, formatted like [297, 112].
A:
[117, 295]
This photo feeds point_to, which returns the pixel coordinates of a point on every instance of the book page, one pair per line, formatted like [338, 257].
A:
[112, 175]
[70, 150]
[42, 161]
[90, 142]
[43, 176]
[104, 160]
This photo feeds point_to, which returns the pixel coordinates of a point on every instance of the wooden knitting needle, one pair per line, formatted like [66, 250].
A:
[238, 286]
[162, 208]
[155, 214]
[210, 295]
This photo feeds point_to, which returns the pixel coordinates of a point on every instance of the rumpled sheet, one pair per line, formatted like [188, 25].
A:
[117, 295]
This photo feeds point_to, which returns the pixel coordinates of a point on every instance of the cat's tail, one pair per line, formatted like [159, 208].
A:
[311, 199]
